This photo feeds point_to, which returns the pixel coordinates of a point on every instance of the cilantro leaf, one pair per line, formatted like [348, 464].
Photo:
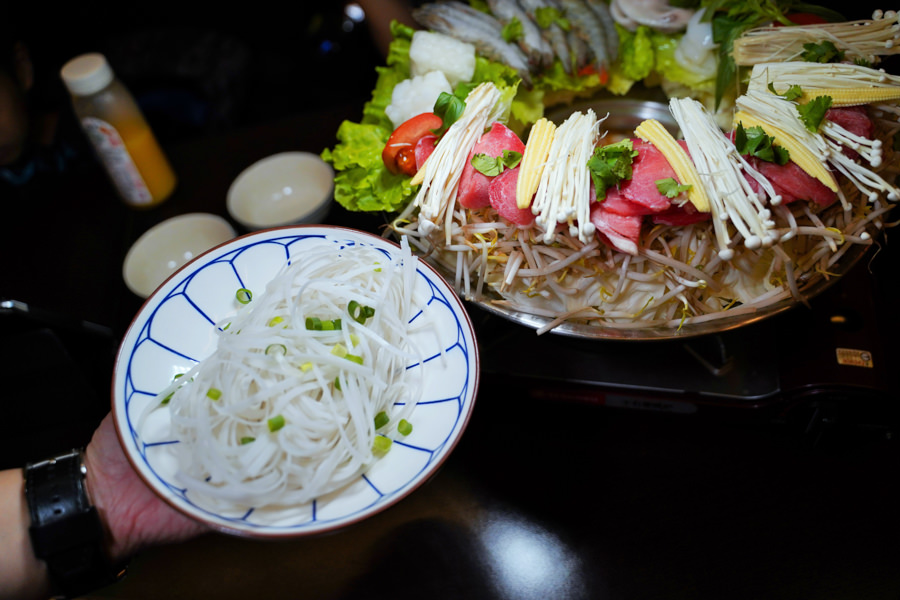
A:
[492, 166]
[754, 141]
[611, 164]
[823, 52]
[549, 15]
[512, 31]
[792, 93]
[670, 188]
[813, 112]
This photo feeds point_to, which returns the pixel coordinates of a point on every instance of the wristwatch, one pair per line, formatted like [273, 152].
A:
[66, 532]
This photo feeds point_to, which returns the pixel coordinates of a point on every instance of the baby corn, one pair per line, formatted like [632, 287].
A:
[653, 132]
[856, 96]
[536, 151]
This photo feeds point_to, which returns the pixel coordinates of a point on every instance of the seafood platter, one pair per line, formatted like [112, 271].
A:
[631, 169]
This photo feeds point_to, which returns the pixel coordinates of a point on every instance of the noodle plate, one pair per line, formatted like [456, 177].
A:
[285, 409]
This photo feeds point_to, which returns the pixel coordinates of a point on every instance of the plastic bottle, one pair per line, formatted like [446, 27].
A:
[118, 131]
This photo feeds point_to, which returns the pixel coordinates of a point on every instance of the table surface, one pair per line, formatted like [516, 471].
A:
[541, 499]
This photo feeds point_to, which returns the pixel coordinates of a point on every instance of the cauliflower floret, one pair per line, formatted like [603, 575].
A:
[431, 51]
[415, 96]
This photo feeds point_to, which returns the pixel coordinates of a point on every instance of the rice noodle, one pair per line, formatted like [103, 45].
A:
[326, 385]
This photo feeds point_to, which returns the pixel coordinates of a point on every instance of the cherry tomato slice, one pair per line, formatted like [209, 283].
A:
[399, 154]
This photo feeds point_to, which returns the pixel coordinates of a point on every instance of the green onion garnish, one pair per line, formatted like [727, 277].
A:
[276, 423]
[354, 358]
[337, 384]
[273, 349]
[275, 321]
[339, 350]
[244, 296]
[381, 419]
[358, 312]
[169, 397]
[214, 394]
[247, 440]
[381, 444]
[317, 324]
[404, 427]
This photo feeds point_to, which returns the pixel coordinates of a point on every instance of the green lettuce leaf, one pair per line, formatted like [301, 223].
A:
[637, 55]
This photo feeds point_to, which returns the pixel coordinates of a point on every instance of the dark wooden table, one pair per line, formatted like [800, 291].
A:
[541, 499]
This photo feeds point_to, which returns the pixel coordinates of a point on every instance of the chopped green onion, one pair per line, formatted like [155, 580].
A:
[360, 313]
[337, 384]
[381, 419]
[247, 440]
[306, 366]
[244, 296]
[404, 427]
[214, 394]
[354, 358]
[339, 350]
[354, 339]
[169, 397]
[317, 324]
[275, 321]
[273, 349]
[276, 423]
[381, 444]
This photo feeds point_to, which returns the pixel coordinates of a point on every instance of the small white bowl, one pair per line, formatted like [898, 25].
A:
[290, 188]
[167, 246]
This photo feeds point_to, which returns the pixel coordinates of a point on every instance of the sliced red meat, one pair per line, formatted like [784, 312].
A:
[793, 183]
[473, 185]
[679, 216]
[618, 204]
[618, 231]
[854, 119]
[648, 167]
[502, 194]
[424, 148]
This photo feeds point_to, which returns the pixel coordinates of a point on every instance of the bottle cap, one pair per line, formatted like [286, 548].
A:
[87, 74]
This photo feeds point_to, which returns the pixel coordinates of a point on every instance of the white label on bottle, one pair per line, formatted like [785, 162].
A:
[117, 160]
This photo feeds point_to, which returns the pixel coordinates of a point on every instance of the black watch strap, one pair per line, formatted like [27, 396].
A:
[66, 531]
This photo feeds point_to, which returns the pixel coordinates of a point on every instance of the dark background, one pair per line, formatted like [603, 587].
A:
[199, 71]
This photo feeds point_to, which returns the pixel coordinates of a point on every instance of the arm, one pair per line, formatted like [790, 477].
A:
[132, 515]
[21, 574]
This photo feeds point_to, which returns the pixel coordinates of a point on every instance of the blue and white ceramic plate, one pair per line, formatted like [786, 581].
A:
[175, 329]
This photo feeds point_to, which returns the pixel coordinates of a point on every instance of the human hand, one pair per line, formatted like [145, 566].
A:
[134, 516]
